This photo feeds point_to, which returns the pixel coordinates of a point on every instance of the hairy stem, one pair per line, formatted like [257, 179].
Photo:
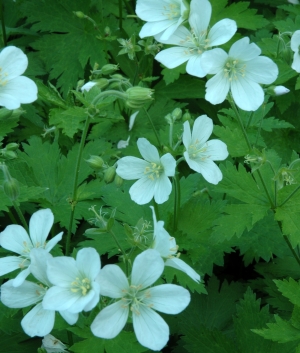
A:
[20, 214]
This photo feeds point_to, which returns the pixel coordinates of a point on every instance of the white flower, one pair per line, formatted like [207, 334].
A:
[38, 321]
[74, 283]
[192, 44]
[87, 86]
[201, 153]
[166, 246]
[163, 16]
[16, 239]
[153, 173]
[295, 46]
[14, 88]
[280, 90]
[135, 299]
[53, 345]
[241, 71]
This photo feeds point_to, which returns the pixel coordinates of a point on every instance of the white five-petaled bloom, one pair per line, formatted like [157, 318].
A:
[137, 299]
[53, 345]
[152, 172]
[38, 321]
[190, 45]
[14, 88]
[166, 246]
[201, 153]
[16, 239]
[163, 16]
[74, 287]
[241, 72]
[295, 46]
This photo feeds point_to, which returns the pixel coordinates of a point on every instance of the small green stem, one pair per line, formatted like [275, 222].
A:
[156, 209]
[266, 189]
[120, 14]
[153, 128]
[249, 121]
[107, 94]
[20, 214]
[171, 135]
[291, 195]
[75, 182]
[176, 201]
[180, 160]
[3, 24]
[12, 217]
[122, 251]
[291, 248]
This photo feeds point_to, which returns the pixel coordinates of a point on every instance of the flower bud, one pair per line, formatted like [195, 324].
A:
[109, 174]
[169, 119]
[79, 14]
[11, 188]
[109, 69]
[176, 114]
[107, 31]
[95, 162]
[277, 90]
[138, 96]
[12, 146]
[7, 154]
[186, 116]
[118, 181]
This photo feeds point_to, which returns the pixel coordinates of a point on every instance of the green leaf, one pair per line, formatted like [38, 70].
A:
[8, 120]
[171, 75]
[290, 289]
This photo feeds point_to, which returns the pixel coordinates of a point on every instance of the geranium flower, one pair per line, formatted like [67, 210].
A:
[16, 239]
[192, 44]
[38, 321]
[139, 301]
[201, 153]
[153, 173]
[74, 283]
[163, 16]
[14, 88]
[241, 72]
[295, 46]
[166, 246]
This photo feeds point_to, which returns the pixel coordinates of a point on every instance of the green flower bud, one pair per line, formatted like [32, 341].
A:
[277, 90]
[109, 174]
[8, 154]
[95, 162]
[107, 31]
[138, 96]
[109, 69]
[12, 146]
[186, 116]
[169, 119]
[79, 14]
[118, 181]
[176, 114]
[11, 188]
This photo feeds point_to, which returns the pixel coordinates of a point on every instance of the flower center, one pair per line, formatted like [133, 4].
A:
[197, 150]
[196, 44]
[3, 75]
[234, 68]
[81, 284]
[172, 11]
[134, 298]
[153, 170]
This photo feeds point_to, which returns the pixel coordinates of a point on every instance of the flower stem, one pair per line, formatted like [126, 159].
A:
[122, 251]
[171, 135]
[120, 14]
[153, 128]
[75, 182]
[291, 195]
[107, 94]
[3, 24]
[20, 214]
[176, 201]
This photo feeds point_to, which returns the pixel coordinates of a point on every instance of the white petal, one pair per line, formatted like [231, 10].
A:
[142, 191]
[52, 242]
[87, 86]
[173, 57]
[194, 67]
[244, 51]
[38, 322]
[147, 268]
[131, 121]
[184, 267]
[200, 13]
[217, 88]
[296, 62]
[71, 318]
[38, 266]
[222, 32]
[62, 271]
[60, 299]
[150, 329]
[9, 264]
[13, 62]
[15, 238]
[157, 27]
[169, 164]
[20, 297]
[202, 129]
[39, 226]
[148, 151]
[149, 10]
[248, 95]
[94, 298]
[213, 61]
[162, 189]
[110, 321]
[21, 277]
[216, 150]
[295, 41]
[261, 70]
[112, 281]
[179, 38]
[131, 168]
[88, 262]
[187, 135]
[167, 298]
[171, 29]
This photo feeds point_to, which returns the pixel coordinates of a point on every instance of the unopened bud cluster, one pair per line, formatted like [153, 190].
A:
[108, 173]
[10, 185]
